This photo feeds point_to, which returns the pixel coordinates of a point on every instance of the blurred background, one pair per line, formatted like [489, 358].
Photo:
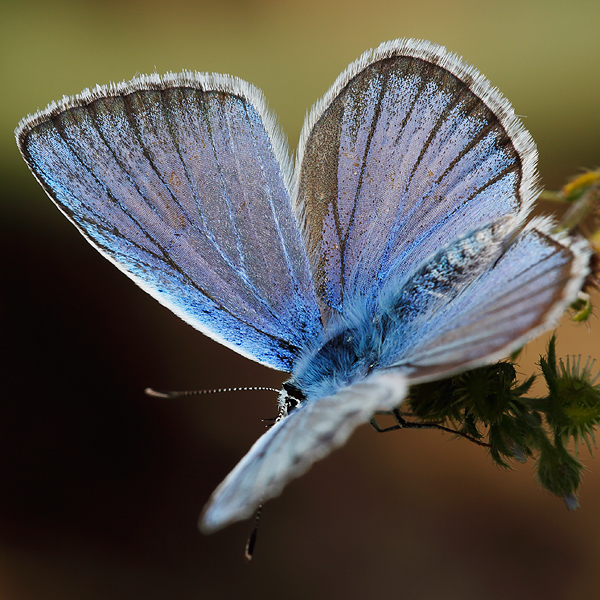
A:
[101, 487]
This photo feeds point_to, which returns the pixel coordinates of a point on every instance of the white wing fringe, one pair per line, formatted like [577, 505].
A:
[291, 446]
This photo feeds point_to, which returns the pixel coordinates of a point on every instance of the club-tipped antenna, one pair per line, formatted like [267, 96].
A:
[249, 551]
[174, 394]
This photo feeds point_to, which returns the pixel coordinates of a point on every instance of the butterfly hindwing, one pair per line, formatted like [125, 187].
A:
[292, 445]
[395, 254]
[520, 296]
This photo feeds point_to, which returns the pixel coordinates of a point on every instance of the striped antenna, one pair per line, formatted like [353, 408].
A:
[158, 394]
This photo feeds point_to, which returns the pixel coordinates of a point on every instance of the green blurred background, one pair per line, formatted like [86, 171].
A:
[101, 487]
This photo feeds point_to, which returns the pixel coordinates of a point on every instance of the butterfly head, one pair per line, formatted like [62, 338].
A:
[291, 397]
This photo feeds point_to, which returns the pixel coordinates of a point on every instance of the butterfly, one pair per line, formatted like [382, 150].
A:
[395, 250]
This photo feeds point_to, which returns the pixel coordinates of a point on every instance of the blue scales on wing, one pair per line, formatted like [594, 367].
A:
[409, 150]
[180, 182]
[400, 256]
[293, 444]
[521, 294]
[415, 179]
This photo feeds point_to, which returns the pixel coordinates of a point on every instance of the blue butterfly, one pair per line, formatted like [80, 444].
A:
[396, 250]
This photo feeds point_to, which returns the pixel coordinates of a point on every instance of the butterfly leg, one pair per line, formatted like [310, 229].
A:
[402, 423]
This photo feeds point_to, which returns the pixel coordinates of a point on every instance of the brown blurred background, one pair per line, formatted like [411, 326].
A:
[101, 487]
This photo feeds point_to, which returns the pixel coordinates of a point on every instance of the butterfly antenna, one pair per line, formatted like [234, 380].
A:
[249, 551]
[157, 394]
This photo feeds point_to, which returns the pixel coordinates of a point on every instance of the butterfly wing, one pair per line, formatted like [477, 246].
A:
[408, 150]
[510, 297]
[291, 446]
[522, 294]
[180, 181]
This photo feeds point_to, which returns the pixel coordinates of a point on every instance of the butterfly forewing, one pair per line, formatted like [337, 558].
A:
[183, 189]
[403, 157]
[402, 259]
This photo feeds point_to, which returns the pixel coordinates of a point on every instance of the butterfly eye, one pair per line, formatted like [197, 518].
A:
[291, 397]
